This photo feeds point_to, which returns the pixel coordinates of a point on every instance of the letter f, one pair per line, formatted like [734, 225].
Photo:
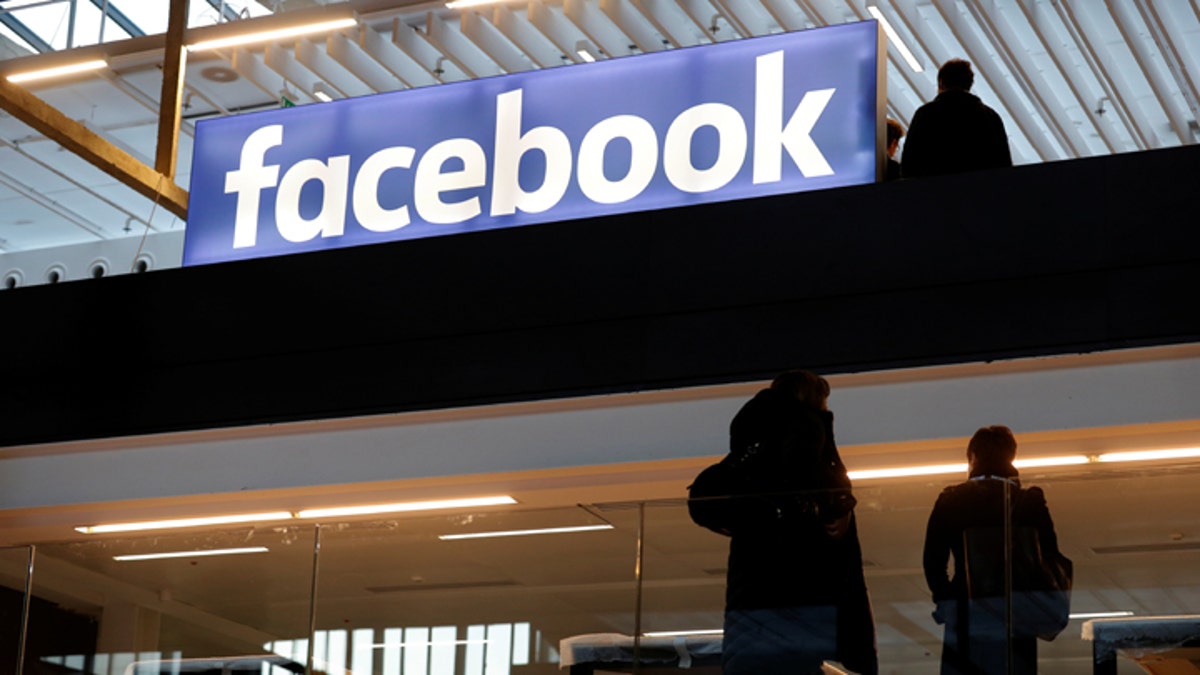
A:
[248, 181]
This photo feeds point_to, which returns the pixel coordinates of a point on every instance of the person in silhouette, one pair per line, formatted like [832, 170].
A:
[795, 593]
[895, 131]
[970, 603]
[955, 131]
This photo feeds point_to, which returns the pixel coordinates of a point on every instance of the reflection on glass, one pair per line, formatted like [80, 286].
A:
[104, 615]
[14, 574]
[394, 599]
[403, 600]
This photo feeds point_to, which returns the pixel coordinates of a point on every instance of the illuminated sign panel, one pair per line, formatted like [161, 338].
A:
[769, 115]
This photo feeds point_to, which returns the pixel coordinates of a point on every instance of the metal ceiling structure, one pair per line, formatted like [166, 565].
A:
[1071, 78]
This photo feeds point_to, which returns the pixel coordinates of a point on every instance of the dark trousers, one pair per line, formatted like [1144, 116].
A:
[976, 642]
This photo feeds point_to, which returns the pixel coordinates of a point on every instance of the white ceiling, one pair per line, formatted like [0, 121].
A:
[1072, 78]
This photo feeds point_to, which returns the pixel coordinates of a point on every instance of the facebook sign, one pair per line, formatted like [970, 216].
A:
[768, 115]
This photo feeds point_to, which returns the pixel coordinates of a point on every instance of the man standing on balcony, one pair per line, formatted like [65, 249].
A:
[954, 132]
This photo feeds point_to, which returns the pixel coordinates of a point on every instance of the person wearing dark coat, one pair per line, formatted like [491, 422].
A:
[795, 593]
[976, 638]
[895, 131]
[955, 131]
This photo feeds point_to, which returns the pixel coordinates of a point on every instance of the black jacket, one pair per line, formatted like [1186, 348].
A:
[780, 555]
[978, 503]
[955, 132]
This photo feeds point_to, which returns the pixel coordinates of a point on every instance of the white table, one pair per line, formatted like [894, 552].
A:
[585, 654]
[1164, 644]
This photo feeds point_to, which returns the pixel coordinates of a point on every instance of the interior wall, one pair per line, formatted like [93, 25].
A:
[885, 418]
[1058, 258]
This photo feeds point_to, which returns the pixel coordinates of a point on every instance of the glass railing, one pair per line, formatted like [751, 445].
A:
[14, 598]
[613, 586]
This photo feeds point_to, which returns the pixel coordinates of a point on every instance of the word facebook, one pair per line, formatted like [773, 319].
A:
[741, 119]
[772, 139]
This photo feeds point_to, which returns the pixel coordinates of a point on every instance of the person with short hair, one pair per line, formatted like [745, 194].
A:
[954, 132]
[976, 637]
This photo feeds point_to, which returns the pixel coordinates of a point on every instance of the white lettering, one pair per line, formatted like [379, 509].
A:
[431, 181]
[511, 145]
[367, 210]
[771, 137]
[249, 179]
[643, 160]
[450, 180]
[330, 221]
[731, 147]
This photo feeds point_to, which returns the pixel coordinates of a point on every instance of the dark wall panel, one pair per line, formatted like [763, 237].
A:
[1055, 258]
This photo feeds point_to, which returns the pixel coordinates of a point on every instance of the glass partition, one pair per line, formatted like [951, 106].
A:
[577, 589]
[14, 578]
[173, 602]
[472, 593]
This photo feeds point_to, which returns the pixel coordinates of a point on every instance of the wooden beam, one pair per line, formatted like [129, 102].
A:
[102, 154]
[174, 61]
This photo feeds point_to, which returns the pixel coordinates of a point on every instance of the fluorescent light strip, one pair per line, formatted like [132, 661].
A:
[268, 35]
[184, 522]
[903, 471]
[1032, 462]
[403, 507]
[81, 67]
[462, 4]
[1100, 615]
[1149, 455]
[894, 37]
[1063, 460]
[192, 554]
[521, 533]
[684, 633]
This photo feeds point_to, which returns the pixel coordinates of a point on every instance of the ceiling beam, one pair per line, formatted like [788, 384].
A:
[1161, 87]
[409, 70]
[170, 103]
[517, 28]
[25, 33]
[1111, 87]
[75, 137]
[629, 19]
[353, 58]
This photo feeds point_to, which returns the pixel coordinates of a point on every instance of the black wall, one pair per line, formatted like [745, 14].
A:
[1055, 258]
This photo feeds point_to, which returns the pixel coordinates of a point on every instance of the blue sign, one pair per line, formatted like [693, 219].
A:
[769, 115]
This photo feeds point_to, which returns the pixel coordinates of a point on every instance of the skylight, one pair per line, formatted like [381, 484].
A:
[43, 25]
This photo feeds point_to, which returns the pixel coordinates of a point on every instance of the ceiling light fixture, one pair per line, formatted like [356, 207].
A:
[1031, 462]
[57, 71]
[894, 37]
[584, 49]
[1062, 460]
[906, 471]
[268, 35]
[1149, 455]
[1100, 615]
[462, 4]
[184, 522]
[521, 533]
[684, 633]
[191, 554]
[322, 91]
[403, 507]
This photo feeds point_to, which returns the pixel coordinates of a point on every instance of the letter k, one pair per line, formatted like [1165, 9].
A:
[771, 136]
